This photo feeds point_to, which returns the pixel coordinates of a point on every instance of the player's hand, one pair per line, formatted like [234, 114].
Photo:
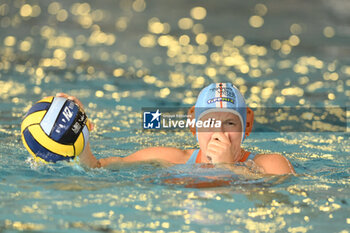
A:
[75, 99]
[219, 148]
[78, 102]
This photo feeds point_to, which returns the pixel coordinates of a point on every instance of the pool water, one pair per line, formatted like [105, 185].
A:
[120, 56]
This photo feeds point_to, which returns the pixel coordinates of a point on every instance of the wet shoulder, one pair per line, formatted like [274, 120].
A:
[274, 163]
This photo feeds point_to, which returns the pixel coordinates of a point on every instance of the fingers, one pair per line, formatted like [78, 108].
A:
[73, 98]
[77, 101]
[220, 136]
[218, 149]
[61, 94]
[219, 142]
[91, 126]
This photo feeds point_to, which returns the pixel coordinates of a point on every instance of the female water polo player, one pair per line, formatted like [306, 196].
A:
[222, 102]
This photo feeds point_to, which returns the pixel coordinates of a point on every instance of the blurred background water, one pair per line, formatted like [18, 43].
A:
[120, 56]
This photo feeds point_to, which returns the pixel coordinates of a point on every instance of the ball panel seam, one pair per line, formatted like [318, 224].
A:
[34, 118]
[48, 143]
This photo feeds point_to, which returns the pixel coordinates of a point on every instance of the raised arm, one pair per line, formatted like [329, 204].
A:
[161, 154]
[165, 154]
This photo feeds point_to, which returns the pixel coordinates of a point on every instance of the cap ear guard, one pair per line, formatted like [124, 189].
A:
[191, 114]
[249, 123]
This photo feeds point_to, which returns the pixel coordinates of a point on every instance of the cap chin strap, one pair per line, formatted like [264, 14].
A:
[249, 122]
[191, 113]
[248, 127]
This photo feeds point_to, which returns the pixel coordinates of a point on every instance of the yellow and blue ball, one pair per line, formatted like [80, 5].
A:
[55, 129]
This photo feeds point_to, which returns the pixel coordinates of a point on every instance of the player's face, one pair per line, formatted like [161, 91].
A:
[231, 128]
